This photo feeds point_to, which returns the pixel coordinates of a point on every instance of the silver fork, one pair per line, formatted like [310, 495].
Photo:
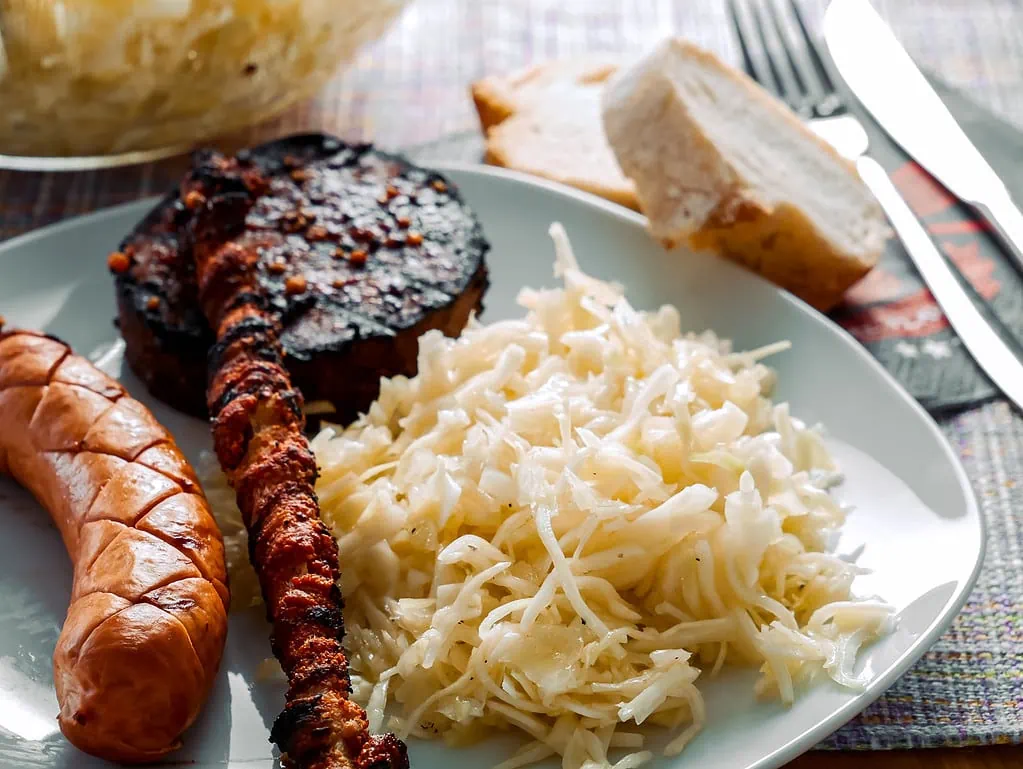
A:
[781, 55]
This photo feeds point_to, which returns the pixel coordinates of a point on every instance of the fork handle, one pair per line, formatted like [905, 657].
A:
[1007, 220]
[988, 349]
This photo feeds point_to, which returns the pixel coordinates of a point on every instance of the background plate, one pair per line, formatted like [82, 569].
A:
[915, 513]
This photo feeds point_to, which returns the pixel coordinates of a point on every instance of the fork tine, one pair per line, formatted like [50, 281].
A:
[757, 64]
[792, 89]
[808, 62]
[791, 31]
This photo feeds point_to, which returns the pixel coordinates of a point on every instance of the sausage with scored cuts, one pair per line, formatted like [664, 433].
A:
[145, 629]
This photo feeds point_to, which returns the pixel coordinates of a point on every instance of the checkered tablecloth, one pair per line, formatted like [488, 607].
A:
[411, 87]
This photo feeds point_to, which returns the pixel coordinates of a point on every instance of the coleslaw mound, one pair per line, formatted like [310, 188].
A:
[563, 522]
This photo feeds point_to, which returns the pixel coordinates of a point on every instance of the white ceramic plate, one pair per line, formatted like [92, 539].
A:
[915, 513]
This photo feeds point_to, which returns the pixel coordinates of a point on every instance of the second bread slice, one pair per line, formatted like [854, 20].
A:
[545, 120]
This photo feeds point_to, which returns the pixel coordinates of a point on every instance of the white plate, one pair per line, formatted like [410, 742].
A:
[915, 512]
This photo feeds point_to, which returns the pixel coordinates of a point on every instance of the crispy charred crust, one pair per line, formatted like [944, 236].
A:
[166, 344]
[317, 265]
[326, 616]
[295, 717]
[382, 751]
[257, 426]
[308, 204]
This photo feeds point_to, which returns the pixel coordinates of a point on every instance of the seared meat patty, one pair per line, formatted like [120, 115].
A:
[360, 253]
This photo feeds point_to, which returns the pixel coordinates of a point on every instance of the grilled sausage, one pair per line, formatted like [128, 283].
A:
[145, 629]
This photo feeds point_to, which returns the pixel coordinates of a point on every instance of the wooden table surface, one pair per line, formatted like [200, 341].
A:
[1000, 757]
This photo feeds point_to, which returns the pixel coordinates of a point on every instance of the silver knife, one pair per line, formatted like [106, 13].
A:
[887, 82]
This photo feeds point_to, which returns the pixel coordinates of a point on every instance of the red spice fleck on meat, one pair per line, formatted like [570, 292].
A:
[295, 284]
[415, 238]
[194, 199]
[118, 262]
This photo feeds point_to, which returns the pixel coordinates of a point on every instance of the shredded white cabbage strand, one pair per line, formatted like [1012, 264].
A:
[564, 520]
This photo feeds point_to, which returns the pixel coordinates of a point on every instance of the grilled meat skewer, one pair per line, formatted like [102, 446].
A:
[257, 425]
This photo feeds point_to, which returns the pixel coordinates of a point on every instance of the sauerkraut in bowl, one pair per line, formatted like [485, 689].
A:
[565, 523]
[103, 77]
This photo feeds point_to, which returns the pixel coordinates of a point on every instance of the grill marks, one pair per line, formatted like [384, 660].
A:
[258, 438]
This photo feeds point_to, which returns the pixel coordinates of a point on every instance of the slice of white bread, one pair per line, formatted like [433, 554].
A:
[546, 121]
[720, 164]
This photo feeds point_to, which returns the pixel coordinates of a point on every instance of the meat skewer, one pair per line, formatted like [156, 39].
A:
[257, 425]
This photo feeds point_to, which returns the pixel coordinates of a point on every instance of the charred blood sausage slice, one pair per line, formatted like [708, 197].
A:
[361, 252]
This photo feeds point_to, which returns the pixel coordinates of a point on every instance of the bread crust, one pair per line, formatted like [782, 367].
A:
[787, 250]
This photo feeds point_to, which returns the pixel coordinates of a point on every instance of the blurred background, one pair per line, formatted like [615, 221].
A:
[99, 76]
[442, 45]
[78, 78]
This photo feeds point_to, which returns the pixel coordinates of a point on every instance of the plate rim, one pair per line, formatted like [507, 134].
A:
[783, 753]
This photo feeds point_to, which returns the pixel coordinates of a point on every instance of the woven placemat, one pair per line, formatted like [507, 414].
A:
[968, 688]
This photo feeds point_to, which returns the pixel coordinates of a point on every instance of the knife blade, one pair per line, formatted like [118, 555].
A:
[886, 81]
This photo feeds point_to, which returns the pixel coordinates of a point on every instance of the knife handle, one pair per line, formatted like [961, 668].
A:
[1003, 214]
[990, 351]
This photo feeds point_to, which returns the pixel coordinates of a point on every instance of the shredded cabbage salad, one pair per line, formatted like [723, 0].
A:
[565, 521]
